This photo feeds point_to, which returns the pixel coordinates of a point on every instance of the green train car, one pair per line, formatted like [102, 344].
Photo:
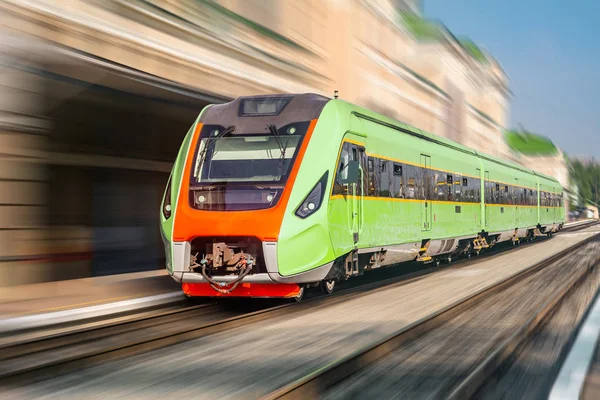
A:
[273, 194]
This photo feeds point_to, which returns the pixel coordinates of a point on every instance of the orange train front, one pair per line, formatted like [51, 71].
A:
[229, 193]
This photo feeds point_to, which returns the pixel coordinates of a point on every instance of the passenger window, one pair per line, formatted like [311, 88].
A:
[372, 177]
[398, 190]
[410, 177]
[458, 187]
[441, 184]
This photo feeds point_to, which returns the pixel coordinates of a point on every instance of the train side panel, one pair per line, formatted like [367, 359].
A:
[304, 243]
[172, 191]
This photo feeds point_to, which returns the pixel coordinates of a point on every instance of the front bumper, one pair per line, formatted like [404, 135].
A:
[244, 289]
[181, 272]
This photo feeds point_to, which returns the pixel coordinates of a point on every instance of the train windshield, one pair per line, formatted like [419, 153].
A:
[237, 157]
[235, 170]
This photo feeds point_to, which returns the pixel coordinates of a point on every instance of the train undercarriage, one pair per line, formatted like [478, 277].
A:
[236, 266]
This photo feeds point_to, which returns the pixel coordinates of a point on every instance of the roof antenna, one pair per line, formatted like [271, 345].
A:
[335, 94]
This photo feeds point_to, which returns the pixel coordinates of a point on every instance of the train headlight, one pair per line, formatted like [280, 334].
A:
[166, 208]
[313, 201]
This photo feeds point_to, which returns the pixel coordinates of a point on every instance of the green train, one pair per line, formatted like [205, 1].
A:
[272, 194]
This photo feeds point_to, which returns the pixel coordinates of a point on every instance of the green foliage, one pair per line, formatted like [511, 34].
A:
[420, 27]
[529, 143]
[473, 50]
[427, 30]
[586, 177]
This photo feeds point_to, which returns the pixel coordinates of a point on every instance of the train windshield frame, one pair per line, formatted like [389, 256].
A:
[237, 170]
[246, 157]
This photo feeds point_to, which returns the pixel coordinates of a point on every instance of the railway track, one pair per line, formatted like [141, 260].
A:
[453, 352]
[44, 356]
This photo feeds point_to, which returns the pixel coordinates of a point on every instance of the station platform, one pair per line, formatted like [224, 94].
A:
[50, 297]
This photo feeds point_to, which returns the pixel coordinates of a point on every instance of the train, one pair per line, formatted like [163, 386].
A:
[273, 194]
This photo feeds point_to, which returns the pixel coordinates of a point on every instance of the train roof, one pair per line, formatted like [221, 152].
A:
[439, 139]
[283, 109]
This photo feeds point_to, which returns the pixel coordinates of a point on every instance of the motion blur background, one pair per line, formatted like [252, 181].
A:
[97, 95]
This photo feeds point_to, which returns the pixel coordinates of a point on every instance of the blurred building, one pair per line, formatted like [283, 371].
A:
[98, 94]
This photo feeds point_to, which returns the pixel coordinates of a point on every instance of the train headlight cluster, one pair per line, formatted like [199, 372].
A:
[166, 209]
[313, 201]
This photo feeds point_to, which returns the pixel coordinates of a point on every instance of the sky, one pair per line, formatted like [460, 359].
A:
[550, 51]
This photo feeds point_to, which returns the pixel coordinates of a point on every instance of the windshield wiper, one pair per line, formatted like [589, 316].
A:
[282, 147]
[210, 143]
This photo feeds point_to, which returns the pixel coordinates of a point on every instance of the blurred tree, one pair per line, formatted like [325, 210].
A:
[586, 177]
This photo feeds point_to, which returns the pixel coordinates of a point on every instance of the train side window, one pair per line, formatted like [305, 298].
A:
[385, 180]
[362, 159]
[530, 197]
[440, 187]
[371, 166]
[410, 179]
[543, 199]
[458, 187]
[397, 173]
[342, 171]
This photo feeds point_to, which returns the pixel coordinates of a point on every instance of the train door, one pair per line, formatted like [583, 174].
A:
[361, 185]
[426, 205]
[346, 211]
[487, 197]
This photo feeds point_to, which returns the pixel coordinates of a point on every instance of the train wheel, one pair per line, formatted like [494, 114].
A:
[327, 287]
[300, 295]
[437, 262]
[449, 259]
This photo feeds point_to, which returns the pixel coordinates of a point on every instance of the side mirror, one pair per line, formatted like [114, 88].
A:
[351, 174]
